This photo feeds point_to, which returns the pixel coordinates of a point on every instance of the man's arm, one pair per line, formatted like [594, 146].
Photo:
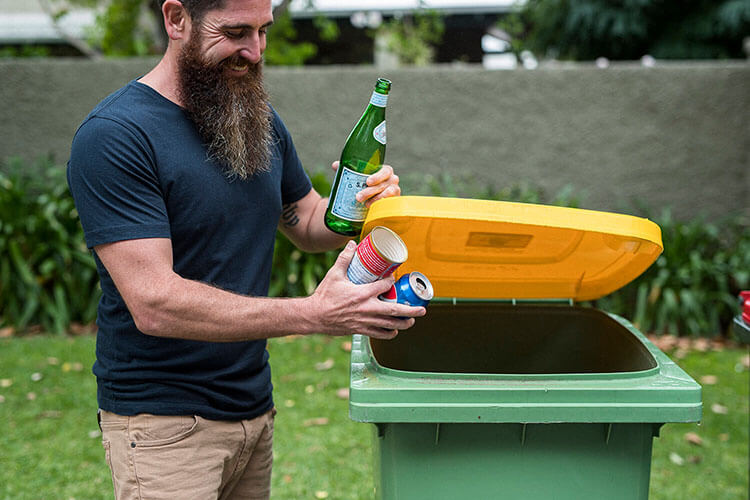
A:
[164, 304]
[302, 221]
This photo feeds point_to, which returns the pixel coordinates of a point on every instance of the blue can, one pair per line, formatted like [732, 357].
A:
[413, 289]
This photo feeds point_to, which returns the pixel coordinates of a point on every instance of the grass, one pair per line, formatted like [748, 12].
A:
[718, 468]
[50, 446]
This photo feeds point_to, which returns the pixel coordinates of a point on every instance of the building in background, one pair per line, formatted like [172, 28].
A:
[467, 23]
[26, 24]
[469, 35]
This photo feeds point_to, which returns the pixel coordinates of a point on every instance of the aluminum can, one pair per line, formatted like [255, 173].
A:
[390, 296]
[377, 256]
[413, 289]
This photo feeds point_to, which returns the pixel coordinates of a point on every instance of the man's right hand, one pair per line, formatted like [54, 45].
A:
[344, 308]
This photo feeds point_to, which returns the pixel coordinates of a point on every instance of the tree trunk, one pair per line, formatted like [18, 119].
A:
[280, 9]
[76, 42]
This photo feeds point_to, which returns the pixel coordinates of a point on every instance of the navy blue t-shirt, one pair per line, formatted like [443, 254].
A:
[139, 169]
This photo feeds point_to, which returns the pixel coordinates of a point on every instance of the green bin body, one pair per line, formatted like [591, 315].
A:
[493, 400]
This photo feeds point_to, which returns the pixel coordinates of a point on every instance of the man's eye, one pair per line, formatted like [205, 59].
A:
[233, 34]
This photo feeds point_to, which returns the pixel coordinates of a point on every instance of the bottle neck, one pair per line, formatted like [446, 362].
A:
[378, 99]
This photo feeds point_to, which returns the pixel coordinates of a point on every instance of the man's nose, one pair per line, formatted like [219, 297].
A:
[252, 49]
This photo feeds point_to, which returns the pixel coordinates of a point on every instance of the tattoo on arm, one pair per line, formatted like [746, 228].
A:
[289, 215]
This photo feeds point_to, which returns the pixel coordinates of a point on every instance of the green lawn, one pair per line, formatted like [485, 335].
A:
[50, 446]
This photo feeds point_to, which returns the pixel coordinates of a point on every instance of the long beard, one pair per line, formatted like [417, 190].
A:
[231, 113]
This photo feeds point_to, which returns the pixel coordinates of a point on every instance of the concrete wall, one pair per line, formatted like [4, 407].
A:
[675, 135]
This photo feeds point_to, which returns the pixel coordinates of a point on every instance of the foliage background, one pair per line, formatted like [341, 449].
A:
[48, 278]
[126, 28]
[49, 281]
[564, 29]
[630, 29]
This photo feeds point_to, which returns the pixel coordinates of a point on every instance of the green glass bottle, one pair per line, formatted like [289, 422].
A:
[362, 156]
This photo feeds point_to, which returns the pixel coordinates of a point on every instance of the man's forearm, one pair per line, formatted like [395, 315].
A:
[164, 304]
[196, 311]
[303, 222]
[327, 239]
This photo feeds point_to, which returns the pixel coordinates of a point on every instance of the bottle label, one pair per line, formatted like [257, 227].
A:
[378, 100]
[379, 133]
[345, 205]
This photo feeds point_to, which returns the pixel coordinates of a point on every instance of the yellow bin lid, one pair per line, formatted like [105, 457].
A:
[482, 249]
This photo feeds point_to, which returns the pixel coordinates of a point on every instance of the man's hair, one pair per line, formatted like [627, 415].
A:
[197, 8]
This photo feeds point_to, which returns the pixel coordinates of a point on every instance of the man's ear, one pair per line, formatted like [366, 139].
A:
[176, 19]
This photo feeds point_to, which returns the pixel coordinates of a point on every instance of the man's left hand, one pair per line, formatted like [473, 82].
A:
[381, 184]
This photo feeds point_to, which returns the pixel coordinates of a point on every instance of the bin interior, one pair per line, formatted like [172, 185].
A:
[514, 339]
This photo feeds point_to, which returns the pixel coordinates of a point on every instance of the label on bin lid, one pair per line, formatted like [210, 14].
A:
[480, 249]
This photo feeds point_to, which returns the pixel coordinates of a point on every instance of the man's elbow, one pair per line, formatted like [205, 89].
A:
[306, 242]
[149, 315]
[309, 247]
[149, 324]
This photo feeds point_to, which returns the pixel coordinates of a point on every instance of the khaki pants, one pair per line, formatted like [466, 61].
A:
[188, 457]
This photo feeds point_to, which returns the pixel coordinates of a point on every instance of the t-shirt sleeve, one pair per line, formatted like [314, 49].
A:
[115, 185]
[295, 183]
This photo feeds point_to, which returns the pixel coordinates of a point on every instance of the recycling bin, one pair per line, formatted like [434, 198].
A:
[741, 322]
[507, 388]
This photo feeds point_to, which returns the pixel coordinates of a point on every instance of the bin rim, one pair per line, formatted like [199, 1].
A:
[659, 395]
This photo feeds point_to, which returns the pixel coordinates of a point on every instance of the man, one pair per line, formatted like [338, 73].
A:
[180, 179]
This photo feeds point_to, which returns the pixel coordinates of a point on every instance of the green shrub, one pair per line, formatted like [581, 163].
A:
[414, 38]
[47, 276]
[692, 288]
[626, 30]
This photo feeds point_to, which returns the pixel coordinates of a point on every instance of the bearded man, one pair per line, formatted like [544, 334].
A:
[180, 179]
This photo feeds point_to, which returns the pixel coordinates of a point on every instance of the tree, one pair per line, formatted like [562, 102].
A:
[412, 38]
[629, 29]
[134, 28]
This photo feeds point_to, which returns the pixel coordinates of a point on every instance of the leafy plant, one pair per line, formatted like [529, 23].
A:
[122, 32]
[692, 288]
[24, 51]
[47, 276]
[134, 28]
[413, 38]
[668, 29]
[282, 49]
